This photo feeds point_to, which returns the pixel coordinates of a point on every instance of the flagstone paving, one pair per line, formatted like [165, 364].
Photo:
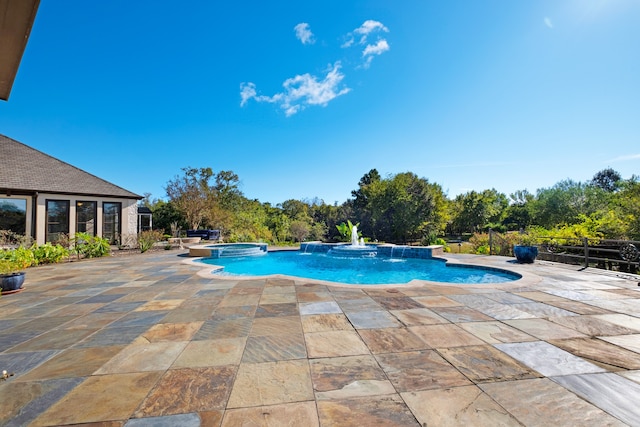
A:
[153, 340]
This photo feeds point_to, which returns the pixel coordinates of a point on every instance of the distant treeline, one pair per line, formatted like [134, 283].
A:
[400, 208]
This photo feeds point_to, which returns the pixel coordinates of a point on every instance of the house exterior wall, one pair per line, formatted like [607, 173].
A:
[128, 219]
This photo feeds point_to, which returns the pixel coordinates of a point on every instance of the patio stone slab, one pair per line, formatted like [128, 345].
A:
[392, 340]
[389, 410]
[186, 390]
[274, 347]
[547, 359]
[325, 322]
[442, 336]
[276, 326]
[624, 320]
[75, 362]
[194, 313]
[319, 296]
[372, 320]
[22, 402]
[182, 420]
[169, 332]
[334, 373]
[484, 363]
[437, 301]
[539, 309]
[277, 298]
[125, 392]
[211, 353]
[357, 305]
[607, 391]
[93, 320]
[323, 307]
[544, 329]
[219, 329]
[542, 402]
[420, 370]
[234, 312]
[275, 310]
[459, 406]
[591, 325]
[334, 344]
[346, 377]
[21, 363]
[112, 336]
[630, 342]
[157, 356]
[578, 307]
[289, 414]
[53, 340]
[600, 352]
[398, 303]
[461, 314]
[272, 383]
[139, 318]
[418, 316]
[632, 375]
[496, 332]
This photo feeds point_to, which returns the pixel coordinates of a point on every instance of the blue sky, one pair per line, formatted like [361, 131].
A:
[301, 99]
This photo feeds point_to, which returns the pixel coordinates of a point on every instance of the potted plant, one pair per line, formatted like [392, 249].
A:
[12, 262]
[11, 278]
[526, 250]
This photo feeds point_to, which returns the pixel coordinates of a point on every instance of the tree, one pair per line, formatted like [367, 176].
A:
[607, 179]
[191, 194]
[300, 230]
[477, 211]
[400, 208]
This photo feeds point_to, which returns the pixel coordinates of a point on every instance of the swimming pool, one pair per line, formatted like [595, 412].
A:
[360, 271]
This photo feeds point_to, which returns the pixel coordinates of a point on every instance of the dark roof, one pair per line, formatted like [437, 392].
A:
[16, 20]
[26, 170]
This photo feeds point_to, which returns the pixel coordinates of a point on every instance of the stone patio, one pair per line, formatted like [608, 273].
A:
[152, 340]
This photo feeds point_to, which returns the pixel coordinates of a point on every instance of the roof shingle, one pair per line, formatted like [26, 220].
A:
[25, 169]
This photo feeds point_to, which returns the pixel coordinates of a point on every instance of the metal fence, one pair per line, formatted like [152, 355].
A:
[617, 255]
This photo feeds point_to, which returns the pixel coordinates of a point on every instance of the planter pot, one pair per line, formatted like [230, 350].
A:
[525, 254]
[11, 282]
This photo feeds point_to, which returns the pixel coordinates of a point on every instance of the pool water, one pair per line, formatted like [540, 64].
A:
[362, 271]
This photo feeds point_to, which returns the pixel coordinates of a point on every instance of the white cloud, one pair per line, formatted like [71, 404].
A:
[365, 31]
[303, 33]
[547, 22]
[377, 49]
[301, 91]
[625, 158]
[369, 27]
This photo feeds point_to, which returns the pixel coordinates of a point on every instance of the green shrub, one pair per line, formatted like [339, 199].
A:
[90, 246]
[146, 239]
[482, 250]
[8, 266]
[48, 253]
[20, 257]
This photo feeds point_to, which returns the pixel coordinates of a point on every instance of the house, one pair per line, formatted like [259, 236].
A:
[45, 197]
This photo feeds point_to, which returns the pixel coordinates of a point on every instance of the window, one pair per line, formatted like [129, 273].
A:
[111, 221]
[57, 219]
[13, 215]
[86, 217]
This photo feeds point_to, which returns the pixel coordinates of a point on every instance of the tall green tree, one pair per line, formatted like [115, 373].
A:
[476, 211]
